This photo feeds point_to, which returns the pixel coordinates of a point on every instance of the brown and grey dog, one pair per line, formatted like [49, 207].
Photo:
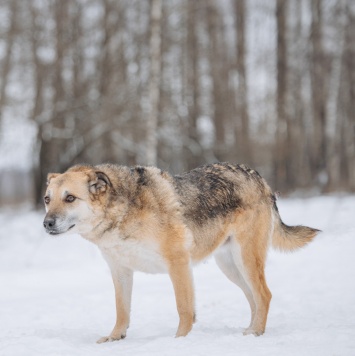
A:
[144, 219]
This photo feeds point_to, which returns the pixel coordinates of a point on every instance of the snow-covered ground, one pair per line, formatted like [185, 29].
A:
[56, 295]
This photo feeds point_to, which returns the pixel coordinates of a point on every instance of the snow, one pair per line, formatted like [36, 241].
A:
[17, 144]
[56, 295]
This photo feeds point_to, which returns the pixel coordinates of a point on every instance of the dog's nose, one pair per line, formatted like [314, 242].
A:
[48, 223]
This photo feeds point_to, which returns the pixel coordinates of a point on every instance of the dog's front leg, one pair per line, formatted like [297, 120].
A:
[181, 277]
[123, 281]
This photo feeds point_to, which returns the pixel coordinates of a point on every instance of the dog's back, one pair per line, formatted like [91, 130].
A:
[217, 190]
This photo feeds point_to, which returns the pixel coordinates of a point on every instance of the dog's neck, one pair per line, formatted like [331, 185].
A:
[105, 225]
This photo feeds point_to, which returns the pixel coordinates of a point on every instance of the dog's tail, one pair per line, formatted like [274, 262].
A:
[290, 238]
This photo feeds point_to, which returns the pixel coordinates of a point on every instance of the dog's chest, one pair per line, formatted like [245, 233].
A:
[135, 255]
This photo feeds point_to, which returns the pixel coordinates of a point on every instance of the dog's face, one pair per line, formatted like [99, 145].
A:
[72, 200]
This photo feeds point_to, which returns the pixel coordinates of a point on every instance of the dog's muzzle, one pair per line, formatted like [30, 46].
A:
[50, 223]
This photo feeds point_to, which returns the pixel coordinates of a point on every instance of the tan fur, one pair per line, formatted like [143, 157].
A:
[144, 219]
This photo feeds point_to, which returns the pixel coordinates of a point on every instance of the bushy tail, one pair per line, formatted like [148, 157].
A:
[290, 238]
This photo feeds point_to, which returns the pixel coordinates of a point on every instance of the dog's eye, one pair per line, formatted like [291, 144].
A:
[69, 198]
[46, 200]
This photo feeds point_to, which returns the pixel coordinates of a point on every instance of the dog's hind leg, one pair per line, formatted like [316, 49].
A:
[225, 262]
[249, 249]
[251, 268]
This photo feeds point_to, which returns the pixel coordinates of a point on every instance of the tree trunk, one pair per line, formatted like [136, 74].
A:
[218, 84]
[52, 145]
[6, 65]
[193, 147]
[319, 94]
[38, 105]
[350, 107]
[154, 84]
[335, 117]
[281, 153]
[243, 136]
[299, 158]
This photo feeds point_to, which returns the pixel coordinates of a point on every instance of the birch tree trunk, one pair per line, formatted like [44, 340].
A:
[193, 147]
[243, 138]
[350, 109]
[281, 100]
[38, 102]
[154, 84]
[53, 144]
[6, 65]
[335, 119]
[319, 93]
[299, 157]
[217, 72]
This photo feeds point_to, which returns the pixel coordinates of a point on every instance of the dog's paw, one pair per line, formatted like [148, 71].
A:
[251, 331]
[110, 338]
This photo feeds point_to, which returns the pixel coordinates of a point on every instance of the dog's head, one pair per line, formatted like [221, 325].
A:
[73, 200]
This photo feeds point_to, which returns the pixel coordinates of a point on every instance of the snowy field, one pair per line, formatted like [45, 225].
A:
[56, 295]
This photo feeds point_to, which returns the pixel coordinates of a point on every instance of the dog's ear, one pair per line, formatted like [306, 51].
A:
[51, 176]
[98, 182]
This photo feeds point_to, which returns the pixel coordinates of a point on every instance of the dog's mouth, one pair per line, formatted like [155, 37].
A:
[56, 232]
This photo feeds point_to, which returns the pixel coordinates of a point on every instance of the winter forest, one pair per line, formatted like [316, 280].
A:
[181, 83]
[178, 84]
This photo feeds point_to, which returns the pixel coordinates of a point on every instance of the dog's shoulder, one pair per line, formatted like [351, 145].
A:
[143, 187]
[154, 188]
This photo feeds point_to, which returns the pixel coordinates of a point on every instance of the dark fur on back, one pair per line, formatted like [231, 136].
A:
[215, 190]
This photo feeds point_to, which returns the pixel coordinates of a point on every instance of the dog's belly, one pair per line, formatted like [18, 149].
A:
[134, 255]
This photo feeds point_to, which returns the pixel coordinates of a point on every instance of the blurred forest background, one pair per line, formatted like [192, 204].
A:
[178, 83]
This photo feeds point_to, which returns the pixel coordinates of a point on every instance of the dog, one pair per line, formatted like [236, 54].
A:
[144, 219]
